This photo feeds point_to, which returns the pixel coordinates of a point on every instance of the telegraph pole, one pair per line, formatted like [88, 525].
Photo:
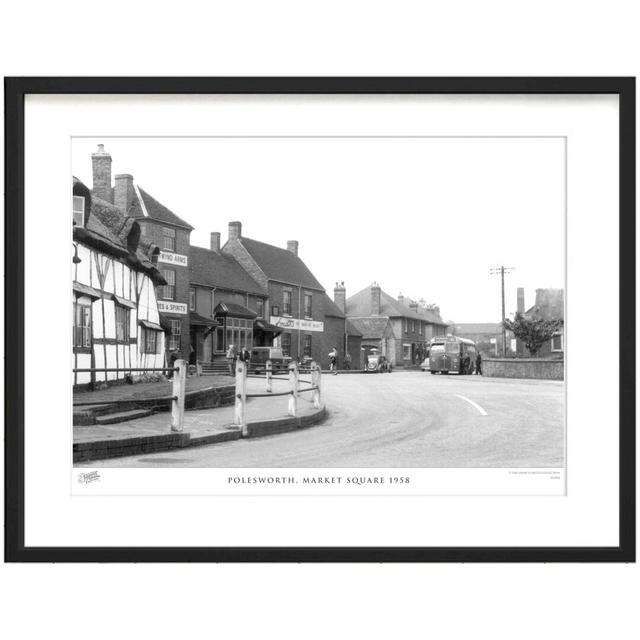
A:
[502, 270]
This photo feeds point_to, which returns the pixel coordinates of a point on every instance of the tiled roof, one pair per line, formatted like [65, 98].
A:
[156, 210]
[352, 330]
[359, 305]
[107, 228]
[233, 309]
[280, 264]
[331, 309]
[370, 328]
[477, 328]
[220, 270]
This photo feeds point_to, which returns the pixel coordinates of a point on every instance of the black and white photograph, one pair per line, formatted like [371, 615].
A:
[319, 302]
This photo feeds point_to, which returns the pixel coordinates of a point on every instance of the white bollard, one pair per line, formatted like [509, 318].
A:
[179, 390]
[269, 370]
[241, 397]
[198, 368]
[315, 381]
[293, 383]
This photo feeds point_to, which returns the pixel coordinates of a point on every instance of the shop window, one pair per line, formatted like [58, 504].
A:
[122, 324]
[78, 211]
[81, 325]
[286, 303]
[307, 305]
[306, 346]
[406, 352]
[168, 239]
[286, 344]
[169, 289]
[176, 335]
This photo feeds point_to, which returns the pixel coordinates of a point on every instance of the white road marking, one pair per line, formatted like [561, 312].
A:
[481, 411]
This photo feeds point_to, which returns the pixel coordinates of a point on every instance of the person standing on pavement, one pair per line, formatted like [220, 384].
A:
[333, 361]
[347, 360]
[173, 356]
[479, 364]
[231, 359]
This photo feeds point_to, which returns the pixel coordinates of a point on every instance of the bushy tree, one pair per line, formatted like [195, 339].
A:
[534, 332]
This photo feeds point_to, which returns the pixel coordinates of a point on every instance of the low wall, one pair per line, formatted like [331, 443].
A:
[540, 368]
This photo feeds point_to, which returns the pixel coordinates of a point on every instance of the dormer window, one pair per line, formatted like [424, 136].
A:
[78, 211]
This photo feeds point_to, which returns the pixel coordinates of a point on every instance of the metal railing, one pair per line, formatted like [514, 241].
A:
[179, 379]
[293, 393]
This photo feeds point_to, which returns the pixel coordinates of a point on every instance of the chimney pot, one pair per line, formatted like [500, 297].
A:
[101, 162]
[292, 245]
[123, 192]
[235, 230]
[215, 241]
[375, 299]
[340, 297]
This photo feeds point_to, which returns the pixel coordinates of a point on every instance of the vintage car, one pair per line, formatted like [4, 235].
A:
[377, 363]
[260, 355]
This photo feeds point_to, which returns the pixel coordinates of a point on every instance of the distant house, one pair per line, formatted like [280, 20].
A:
[159, 227]
[549, 305]
[398, 331]
[116, 323]
[486, 335]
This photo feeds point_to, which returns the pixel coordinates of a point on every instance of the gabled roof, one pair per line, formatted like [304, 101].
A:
[372, 328]
[352, 330]
[331, 309]
[155, 210]
[233, 309]
[460, 328]
[109, 230]
[280, 264]
[359, 305]
[220, 270]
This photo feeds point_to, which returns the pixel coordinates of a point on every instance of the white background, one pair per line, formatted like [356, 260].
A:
[372, 38]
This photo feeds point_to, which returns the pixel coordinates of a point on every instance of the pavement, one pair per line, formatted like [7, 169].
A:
[403, 419]
[149, 390]
[200, 426]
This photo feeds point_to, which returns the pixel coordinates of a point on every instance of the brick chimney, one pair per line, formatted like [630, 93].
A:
[101, 162]
[414, 307]
[292, 245]
[123, 192]
[215, 241]
[400, 298]
[520, 307]
[340, 297]
[235, 230]
[375, 299]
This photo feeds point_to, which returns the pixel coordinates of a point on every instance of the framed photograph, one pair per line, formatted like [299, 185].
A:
[320, 319]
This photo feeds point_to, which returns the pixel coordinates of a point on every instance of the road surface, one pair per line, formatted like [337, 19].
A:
[404, 419]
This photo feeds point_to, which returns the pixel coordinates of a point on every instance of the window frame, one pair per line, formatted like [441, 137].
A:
[75, 211]
[557, 334]
[308, 297]
[286, 349]
[169, 288]
[169, 234]
[192, 298]
[175, 337]
[84, 330]
[124, 335]
[285, 304]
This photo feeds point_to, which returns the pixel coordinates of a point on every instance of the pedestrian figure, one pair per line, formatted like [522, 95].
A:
[347, 360]
[333, 361]
[231, 359]
[479, 364]
[173, 356]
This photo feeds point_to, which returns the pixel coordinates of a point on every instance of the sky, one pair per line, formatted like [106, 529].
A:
[425, 217]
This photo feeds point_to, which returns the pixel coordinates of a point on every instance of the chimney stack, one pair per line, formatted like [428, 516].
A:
[414, 307]
[235, 230]
[400, 298]
[101, 162]
[375, 299]
[292, 245]
[215, 241]
[340, 297]
[123, 192]
[520, 307]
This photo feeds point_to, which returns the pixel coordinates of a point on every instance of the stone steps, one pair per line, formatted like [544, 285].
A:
[123, 416]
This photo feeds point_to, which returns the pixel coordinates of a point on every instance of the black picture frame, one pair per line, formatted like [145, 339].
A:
[15, 91]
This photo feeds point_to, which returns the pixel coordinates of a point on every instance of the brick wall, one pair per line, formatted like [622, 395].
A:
[152, 231]
[539, 368]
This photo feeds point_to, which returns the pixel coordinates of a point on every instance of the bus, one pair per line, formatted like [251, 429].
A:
[450, 354]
